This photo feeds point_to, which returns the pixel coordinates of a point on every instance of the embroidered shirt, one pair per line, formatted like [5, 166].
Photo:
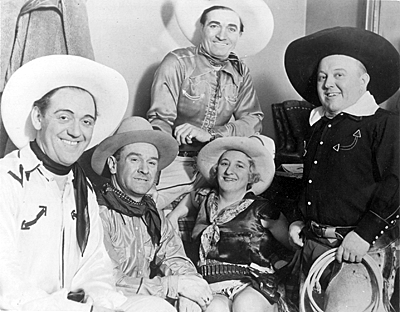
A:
[351, 169]
[188, 89]
[40, 261]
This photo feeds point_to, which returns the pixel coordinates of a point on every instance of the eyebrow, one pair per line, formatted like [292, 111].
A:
[216, 22]
[71, 112]
[140, 155]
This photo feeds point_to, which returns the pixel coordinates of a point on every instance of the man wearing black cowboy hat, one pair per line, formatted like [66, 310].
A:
[205, 91]
[351, 164]
[147, 252]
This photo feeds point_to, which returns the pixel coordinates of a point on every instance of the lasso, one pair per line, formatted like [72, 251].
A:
[319, 267]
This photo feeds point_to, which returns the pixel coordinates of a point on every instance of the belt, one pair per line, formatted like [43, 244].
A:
[327, 231]
[188, 153]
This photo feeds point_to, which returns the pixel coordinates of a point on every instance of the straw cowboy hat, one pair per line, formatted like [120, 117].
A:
[41, 75]
[259, 148]
[135, 130]
[255, 15]
[378, 55]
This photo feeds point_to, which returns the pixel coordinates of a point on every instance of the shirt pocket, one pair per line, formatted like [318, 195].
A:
[230, 93]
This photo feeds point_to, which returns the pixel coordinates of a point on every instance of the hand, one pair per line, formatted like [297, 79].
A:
[187, 305]
[295, 239]
[185, 134]
[352, 249]
[196, 289]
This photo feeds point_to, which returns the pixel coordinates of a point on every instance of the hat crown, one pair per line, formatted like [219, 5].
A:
[267, 142]
[134, 123]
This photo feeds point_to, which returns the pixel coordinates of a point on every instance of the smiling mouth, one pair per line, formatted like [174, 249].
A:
[331, 94]
[72, 143]
[141, 179]
[229, 179]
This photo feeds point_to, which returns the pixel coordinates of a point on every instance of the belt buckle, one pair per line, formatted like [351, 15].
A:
[317, 229]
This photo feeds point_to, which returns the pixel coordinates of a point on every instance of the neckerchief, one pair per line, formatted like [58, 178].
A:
[145, 209]
[81, 192]
[232, 58]
[210, 236]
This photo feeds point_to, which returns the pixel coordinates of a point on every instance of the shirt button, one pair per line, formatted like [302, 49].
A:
[136, 228]
[309, 203]
[320, 143]
[315, 162]
[139, 250]
[310, 181]
[329, 126]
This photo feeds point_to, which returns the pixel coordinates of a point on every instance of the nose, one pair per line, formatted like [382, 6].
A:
[74, 129]
[228, 170]
[221, 35]
[143, 168]
[329, 82]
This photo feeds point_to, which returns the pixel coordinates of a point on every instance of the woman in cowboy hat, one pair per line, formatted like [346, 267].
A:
[197, 91]
[234, 225]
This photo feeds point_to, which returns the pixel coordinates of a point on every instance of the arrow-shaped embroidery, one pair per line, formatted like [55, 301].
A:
[27, 225]
[356, 136]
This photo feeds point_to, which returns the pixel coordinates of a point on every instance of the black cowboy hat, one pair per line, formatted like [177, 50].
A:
[378, 55]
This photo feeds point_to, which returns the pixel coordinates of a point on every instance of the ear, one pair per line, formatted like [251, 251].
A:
[365, 80]
[36, 118]
[112, 164]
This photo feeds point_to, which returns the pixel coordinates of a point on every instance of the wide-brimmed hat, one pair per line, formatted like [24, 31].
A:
[255, 15]
[260, 148]
[38, 77]
[378, 55]
[135, 130]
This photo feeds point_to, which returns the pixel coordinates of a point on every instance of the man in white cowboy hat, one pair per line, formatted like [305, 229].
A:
[51, 238]
[147, 252]
[351, 171]
[205, 91]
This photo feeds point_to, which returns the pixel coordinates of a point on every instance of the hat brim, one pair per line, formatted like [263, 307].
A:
[41, 75]
[378, 55]
[255, 15]
[263, 160]
[166, 145]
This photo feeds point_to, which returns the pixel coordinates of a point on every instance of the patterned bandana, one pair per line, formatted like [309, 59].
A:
[81, 192]
[210, 235]
[146, 209]
[232, 58]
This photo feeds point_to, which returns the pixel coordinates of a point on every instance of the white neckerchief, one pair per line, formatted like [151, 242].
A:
[365, 106]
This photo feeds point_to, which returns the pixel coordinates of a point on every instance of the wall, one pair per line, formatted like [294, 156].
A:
[133, 37]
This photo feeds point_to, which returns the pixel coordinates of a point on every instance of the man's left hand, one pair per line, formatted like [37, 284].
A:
[352, 249]
[187, 305]
[186, 132]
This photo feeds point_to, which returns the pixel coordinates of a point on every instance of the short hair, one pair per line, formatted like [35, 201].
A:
[254, 177]
[43, 103]
[203, 16]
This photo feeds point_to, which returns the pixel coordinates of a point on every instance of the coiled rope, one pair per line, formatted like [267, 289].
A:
[319, 266]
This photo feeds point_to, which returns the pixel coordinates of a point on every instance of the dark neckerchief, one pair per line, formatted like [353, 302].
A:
[232, 58]
[145, 209]
[81, 192]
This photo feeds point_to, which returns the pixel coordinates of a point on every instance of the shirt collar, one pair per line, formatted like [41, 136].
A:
[31, 163]
[365, 106]
[204, 66]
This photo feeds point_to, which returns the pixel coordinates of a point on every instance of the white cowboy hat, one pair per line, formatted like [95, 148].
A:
[41, 75]
[135, 130]
[255, 15]
[260, 148]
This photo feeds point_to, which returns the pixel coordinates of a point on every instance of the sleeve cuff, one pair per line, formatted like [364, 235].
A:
[171, 284]
[371, 227]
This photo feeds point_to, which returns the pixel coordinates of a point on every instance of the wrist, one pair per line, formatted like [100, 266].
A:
[212, 134]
